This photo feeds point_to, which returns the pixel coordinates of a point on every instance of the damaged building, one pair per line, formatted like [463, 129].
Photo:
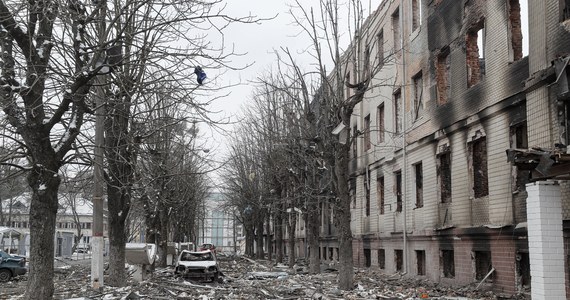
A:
[459, 173]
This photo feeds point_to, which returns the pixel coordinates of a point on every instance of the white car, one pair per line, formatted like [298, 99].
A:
[197, 264]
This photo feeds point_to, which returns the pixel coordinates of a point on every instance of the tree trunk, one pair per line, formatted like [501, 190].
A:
[120, 178]
[259, 238]
[342, 219]
[163, 238]
[313, 236]
[43, 210]
[279, 232]
[291, 232]
[268, 237]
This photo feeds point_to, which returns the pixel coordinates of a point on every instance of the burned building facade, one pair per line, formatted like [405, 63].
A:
[455, 84]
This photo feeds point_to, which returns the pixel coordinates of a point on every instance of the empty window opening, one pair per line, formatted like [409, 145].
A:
[380, 40]
[564, 10]
[480, 176]
[399, 259]
[367, 258]
[398, 190]
[447, 263]
[483, 265]
[367, 190]
[519, 140]
[366, 130]
[419, 185]
[442, 76]
[418, 95]
[444, 176]
[380, 193]
[416, 14]
[331, 253]
[354, 142]
[421, 262]
[518, 29]
[398, 111]
[380, 117]
[475, 48]
[381, 259]
[366, 60]
[523, 270]
[396, 29]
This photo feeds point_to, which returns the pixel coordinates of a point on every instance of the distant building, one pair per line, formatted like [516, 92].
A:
[217, 226]
[74, 212]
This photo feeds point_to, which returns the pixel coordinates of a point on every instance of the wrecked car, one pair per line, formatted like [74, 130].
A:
[11, 266]
[197, 265]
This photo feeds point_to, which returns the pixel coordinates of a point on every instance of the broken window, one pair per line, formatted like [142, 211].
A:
[380, 40]
[396, 29]
[418, 94]
[447, 263]
[564, 10]
[523, 270]
[367, 258]
[366, 130]
[398, 179]
[515, 29]
[354, 142]
[442, 76]
[381, 259]
[483, 265]
[399, 259]
[444, 176]
[480, 176]
[380, 120]
[398, 111]
[419, 185]
[331, 253]
[421, 262]
[519, 140]
[475, 53]
[416, 14]
[380, 193]
[367, 189]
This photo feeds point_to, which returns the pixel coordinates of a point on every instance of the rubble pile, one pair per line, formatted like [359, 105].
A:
[244, 278]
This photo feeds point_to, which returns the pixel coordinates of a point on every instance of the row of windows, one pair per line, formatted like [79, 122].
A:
[479, 169]
[59, 225]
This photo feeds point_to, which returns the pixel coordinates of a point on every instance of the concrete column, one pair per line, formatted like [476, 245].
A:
[545, 242]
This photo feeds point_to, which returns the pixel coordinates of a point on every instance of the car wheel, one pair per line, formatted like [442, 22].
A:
[5, 275]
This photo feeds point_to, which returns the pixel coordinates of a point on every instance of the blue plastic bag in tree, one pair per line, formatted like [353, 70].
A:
[200, 74]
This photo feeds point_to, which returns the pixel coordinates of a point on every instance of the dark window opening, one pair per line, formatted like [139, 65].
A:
[367, 189]
[398, 177]
[399, 259]
[523, 269]
[519, 140]
[352, 191]
[442, 76]
[419, 185]
[380, 39]
[331, 253]
[475, 53]
[483, 265]
[380, 193]
[444, 173]
[366, 130]
[416, 14]
[480, 176]
[421, 262]
[565, 9]
[515, 27]
[418, 95]
[380, 117]
[448, 263]
[396, 29]
[398, 111]
[381, 259]
[354, 142]
[367, 258]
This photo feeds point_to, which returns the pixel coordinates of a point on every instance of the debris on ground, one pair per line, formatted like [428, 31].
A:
[249, 279]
